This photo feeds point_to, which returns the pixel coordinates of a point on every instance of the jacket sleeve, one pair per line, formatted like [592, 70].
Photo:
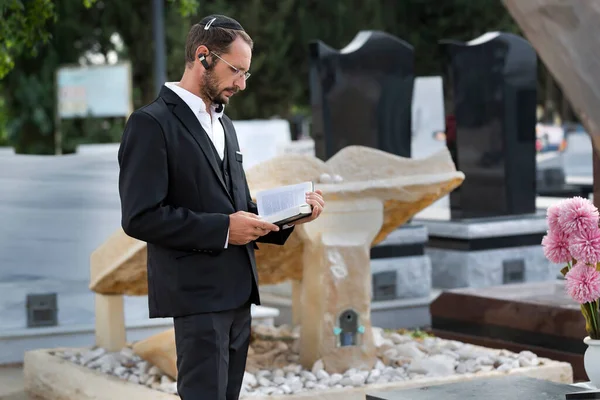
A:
[143, 188]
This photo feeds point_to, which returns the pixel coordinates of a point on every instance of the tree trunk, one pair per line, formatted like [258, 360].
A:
[566, 36]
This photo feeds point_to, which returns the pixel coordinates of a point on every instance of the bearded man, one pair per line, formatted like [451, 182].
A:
[184, 191]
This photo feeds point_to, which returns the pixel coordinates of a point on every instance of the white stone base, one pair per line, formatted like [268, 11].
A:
[459, 269]
[413, 274]
[473, 252]
[53, 378]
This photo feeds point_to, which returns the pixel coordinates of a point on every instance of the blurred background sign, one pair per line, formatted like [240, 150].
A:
[95, 91]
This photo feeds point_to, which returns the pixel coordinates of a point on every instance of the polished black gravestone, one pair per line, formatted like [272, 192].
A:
[362, 94]
[491, 87]
[492, 234]
[505, 388]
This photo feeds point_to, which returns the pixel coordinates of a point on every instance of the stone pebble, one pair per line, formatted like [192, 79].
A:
[400, 357]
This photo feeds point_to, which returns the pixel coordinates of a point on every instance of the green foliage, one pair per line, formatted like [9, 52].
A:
[31, 87]
[23, 28]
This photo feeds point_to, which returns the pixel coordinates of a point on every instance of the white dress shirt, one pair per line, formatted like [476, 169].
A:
[210, 122]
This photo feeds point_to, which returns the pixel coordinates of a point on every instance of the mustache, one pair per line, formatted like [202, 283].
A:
[232, 89]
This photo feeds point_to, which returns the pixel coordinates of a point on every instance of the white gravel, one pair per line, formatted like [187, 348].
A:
[400, 357]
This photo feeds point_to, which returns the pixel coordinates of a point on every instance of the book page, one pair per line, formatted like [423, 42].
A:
[275, 200]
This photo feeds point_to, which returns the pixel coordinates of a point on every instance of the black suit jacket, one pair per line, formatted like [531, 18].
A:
[174, 198]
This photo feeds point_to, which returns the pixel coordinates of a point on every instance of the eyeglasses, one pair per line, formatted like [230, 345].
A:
[236, 71]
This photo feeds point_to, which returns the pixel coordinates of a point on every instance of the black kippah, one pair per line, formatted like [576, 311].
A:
[220, 21]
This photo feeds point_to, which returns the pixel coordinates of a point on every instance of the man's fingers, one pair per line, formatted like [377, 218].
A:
[268, 226]
[316, 203]
[315, 198]
[260, 231]
[262, 228]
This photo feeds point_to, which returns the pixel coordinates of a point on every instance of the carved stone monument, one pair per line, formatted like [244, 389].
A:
[379, 192]
[493, 232]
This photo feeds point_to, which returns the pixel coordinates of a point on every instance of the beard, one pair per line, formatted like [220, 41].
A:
[211, 88]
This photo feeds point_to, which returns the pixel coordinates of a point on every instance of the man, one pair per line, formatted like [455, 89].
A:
[184, 192]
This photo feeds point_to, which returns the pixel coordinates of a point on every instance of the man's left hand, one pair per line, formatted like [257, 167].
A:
[315, 199]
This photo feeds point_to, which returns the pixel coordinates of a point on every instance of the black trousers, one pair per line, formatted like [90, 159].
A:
[211, 354]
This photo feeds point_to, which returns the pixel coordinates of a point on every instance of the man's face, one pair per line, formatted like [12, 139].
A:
[222, 81]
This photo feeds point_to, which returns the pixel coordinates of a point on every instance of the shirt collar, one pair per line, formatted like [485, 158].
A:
[193, 101]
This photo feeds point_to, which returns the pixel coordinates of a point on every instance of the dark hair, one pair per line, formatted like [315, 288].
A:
[215, 39]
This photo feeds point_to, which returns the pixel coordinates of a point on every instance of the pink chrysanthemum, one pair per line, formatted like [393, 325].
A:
[583, 283]
[553, 214]
[577, 214]
[585, 246]
[556, 247]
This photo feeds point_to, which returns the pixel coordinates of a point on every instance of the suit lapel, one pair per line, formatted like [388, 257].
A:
[231, 147]
[189, 120]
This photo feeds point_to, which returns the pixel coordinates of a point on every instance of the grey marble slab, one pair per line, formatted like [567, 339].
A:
[486, 228]
[413, 274]
[459, 269]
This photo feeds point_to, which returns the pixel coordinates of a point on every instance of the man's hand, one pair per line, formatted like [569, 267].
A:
[315, 199]
[245, 227]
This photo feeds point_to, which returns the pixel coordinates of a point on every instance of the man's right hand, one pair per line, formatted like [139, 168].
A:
[245, 227]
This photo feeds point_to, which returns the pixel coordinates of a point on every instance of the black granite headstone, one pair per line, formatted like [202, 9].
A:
[491, 85]
[504, 388]
[362, 94]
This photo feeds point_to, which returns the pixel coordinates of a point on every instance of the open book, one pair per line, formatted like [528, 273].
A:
[284, 204]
